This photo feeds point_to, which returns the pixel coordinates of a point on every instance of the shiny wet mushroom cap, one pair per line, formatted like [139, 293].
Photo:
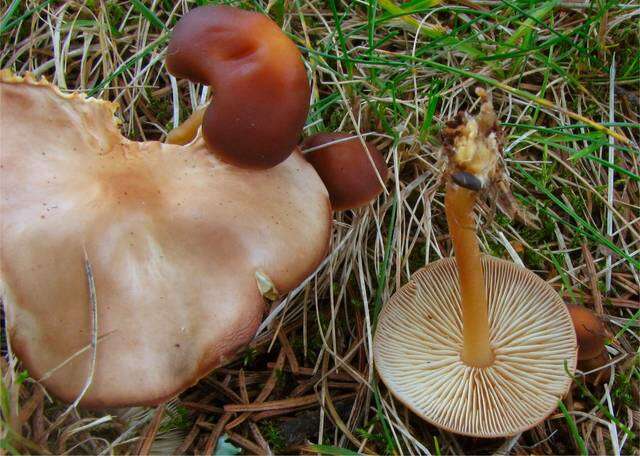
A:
[176, 240]
[260, 87]
[592, 336]
[419, 339]
[354, 175]
[590, 332]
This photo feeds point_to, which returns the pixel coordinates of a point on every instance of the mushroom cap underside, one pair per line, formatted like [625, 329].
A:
[174, 237]
[418, 343]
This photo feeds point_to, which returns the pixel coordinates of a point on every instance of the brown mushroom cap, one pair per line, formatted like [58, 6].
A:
[174, 236]
[589, 331]
[344, 166]
[418, 343]
[261, 91]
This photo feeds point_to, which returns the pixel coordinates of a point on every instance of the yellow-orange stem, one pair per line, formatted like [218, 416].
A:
[459, 204]
[187, 131]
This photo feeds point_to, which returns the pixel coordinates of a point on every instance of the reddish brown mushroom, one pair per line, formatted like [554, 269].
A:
[591, 336]
[261, 91]
[346, 168]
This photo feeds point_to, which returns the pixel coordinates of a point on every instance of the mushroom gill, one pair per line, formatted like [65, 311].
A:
[419, 340]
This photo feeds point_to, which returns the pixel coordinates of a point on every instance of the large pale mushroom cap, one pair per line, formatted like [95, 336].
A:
[174, 236]
[419, 339]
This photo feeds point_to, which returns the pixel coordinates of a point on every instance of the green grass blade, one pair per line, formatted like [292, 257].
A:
[534, 17]
[148, 14]
[332, 450]
[126, 65]
[604, 410]
[8, 15]
[6, 27]
[382, 418]
[382, 274]
[429, 30]
[573, 429]
[587, 229]
[627, 325]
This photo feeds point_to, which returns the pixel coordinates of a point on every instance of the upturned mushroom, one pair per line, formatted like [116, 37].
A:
[474, 344]
[354, 175]
[260, 86]
[176, 240]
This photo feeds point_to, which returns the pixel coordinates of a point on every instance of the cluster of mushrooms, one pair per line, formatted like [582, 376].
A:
[473, 344]
[181, 241]
[144, 265]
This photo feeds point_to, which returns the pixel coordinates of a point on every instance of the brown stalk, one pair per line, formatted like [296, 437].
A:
[291, 356]
[272, 405]
[260, 440]
[32, 404]
[266, 391]
[459, 204]
[202, 407]
[144, 444]
[278, 412]
[246, 443]
[212, 439]
[189, 439]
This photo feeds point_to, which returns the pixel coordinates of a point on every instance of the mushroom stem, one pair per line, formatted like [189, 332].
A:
[459, 204]
[185, 132]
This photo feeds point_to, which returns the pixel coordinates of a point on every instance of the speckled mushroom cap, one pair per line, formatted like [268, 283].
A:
[419, 339]
[174, 236]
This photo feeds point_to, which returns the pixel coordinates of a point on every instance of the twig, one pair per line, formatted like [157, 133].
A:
[266, 390]
[212, 440]
[144, 444]
[93, 306]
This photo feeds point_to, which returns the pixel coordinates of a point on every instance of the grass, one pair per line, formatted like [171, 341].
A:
[565, 78]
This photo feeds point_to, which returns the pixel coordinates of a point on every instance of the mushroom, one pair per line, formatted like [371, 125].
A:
[261, 91]
[474, 344]
[176, 240]
[354, 175]
[591, 336]
[188, 130]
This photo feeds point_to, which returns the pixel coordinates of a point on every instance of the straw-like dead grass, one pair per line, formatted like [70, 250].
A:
[565, 78]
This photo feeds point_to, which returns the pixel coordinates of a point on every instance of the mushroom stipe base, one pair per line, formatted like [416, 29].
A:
[418, 343]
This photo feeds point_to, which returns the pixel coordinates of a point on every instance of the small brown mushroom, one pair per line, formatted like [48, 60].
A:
[261, 91]
[182, 247]
[591, 336]
[347, 168]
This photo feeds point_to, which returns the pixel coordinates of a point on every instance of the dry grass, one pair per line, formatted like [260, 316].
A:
[565, 76]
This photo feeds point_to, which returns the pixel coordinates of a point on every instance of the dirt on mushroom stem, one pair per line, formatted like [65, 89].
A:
[473, 146]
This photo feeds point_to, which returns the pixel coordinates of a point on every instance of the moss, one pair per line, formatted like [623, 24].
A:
[273, 436]
[115, 12]
[249, 356]
[176, 420]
